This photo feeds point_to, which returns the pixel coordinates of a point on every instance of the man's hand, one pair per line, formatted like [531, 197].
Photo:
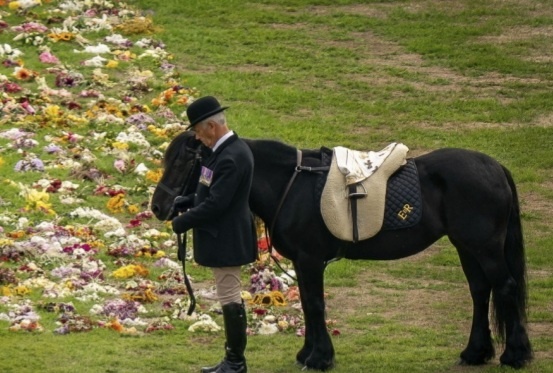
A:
[177, 224]
[183, 203]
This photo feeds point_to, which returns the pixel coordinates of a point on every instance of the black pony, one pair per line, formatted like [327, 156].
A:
[466, 195]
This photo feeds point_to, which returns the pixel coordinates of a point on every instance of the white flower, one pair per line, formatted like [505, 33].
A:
[26, 4]
[168, 244]
[204, 324]
[133, 137]
[45, 226]
[22, 223]
[97, 61]
[119, 232]
[141, 169]
[116, 39]
[97, 24]
[95, 49]
[8, 51]
[267, 328]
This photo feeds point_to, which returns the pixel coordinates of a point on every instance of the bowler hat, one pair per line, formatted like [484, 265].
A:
[203, 108]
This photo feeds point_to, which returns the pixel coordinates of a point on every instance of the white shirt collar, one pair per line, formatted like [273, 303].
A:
[223, 139]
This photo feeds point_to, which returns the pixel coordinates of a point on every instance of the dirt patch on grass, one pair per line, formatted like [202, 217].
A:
[412, 301]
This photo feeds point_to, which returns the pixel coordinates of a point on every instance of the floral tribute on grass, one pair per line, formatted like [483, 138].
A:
[89, 100]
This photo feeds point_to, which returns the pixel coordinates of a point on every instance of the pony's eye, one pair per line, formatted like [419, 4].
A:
[181, 164]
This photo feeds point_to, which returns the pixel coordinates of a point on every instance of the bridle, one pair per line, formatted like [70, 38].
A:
[184, 189]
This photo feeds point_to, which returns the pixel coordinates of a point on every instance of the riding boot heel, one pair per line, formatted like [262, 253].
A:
[212, 369]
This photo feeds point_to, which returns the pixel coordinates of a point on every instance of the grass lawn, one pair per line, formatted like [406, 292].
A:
[313, 73]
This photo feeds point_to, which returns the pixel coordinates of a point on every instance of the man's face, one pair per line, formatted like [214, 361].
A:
[205, 132]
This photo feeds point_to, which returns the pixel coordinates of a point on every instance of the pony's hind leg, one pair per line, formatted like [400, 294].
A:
[480, 347]
[509, 308]
[512, 321]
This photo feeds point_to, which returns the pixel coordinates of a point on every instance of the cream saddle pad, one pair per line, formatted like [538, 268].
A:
[367, 173]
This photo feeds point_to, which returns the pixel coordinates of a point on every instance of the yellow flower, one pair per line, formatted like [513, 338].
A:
[22, 290]
[133, 209]
[130, 271]
[160, 132]
[273, 298]
[159, 254]
[112, 64]
[52, 111]
[120, 145]
[116, 203]
[154, 175]
[64, 36]
[37, 200]
[5, 291]
[5, 242]
[124, 55]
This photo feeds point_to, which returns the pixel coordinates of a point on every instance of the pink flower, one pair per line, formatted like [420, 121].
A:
[28, 108]
[119, 165]
[47, 57]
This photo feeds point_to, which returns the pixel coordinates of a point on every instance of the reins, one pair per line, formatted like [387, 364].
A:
[181, 238]
[269, 232]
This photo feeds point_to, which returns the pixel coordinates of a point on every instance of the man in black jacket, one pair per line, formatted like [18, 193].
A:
[224, 232]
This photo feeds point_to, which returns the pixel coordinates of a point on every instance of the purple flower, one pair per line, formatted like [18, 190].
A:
[121, 309]
[140, 119]
[52, 149]
[24, 165]
[37, 164]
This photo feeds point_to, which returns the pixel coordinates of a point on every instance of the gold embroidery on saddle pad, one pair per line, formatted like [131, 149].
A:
[335, 204]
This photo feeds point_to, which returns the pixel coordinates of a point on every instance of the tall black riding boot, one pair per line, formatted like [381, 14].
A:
[234, 315]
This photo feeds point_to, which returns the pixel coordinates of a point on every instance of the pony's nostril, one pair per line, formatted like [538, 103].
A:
[155, 209]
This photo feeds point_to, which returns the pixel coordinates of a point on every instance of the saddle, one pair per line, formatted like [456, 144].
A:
[353, 199]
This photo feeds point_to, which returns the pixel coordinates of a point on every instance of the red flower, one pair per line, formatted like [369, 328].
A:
[259, 311]
[263, 244]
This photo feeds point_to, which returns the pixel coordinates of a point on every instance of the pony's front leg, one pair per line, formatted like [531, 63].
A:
[318, 351]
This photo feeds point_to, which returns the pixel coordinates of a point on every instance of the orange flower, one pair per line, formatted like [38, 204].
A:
[116, 325]
[169, 94]
[22, 73]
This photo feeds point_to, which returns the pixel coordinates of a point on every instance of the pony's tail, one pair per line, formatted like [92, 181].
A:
[516, 262]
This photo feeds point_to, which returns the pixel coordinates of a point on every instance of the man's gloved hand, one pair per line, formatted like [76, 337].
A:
[178, 224]
[183, 203]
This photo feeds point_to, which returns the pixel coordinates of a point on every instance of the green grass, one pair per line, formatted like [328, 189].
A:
[430, 74]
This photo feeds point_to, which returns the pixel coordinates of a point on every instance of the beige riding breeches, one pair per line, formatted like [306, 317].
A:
[227, 281]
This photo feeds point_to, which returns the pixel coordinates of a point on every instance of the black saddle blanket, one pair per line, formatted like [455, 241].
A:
[403, 198]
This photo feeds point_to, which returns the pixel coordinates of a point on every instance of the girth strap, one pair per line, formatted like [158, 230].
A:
[299, 168]
[353, 196]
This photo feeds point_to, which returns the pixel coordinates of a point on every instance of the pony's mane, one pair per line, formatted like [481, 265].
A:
[173, 150]
[271, 150]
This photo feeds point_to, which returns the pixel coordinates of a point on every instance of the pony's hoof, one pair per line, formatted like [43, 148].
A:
[462, 362]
